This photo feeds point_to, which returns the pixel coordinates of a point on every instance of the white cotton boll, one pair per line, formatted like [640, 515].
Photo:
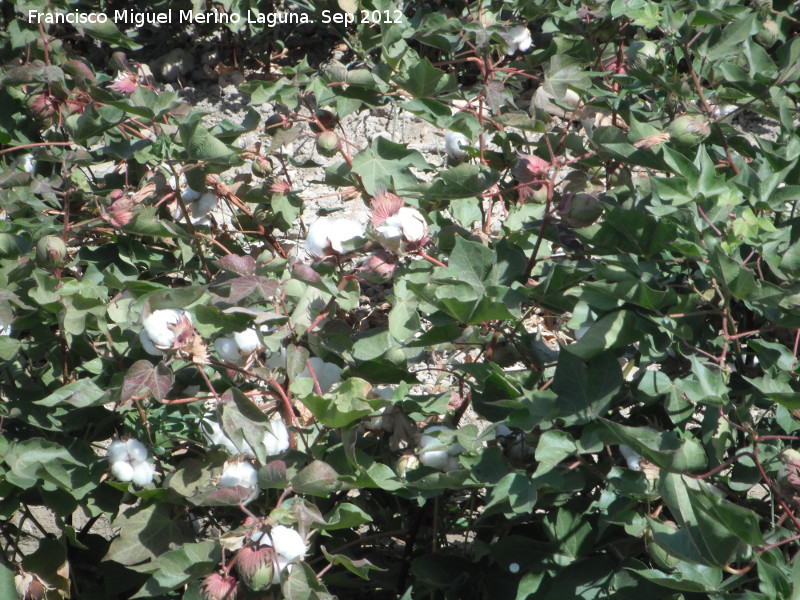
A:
[276, 438]
[247, 341]
[317, 243]
[518, 38]
[159, 326]
[143, 473]
[136, 451]
[631, 457]
[122, 470]
[412, 224]
[513, 567]
[203, 205]
[27, 162]
[436, 459]
[148, 344]
[288, 543]
[390, 234]
[227, 349]
[117, 451]
[329, 236]
[426, 440]
[327, 374]
[241, 474]
[454, 144]
[375, 423]
[215, 436]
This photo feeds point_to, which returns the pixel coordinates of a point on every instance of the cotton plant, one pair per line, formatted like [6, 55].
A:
[128, 462]
[518, 39]
[165, 330]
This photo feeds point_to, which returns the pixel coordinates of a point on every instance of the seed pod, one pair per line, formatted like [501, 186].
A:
[43, 106]
[327, 119]
[327, 143]
[579, 210]
[257, 566]
[689, 130]
[274, 123]
[51, 251]
[218, 586]
[261, 167]
[768, 33]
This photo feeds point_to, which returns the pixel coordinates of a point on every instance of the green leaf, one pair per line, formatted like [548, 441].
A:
[201, 145]
[617, 329]
[347, 403]
[146, 532]
[585, 389]
[176, 567]
[345, 516]
[80, 394]
[317, 479]
[385, 165]
[360, 567]
[423, 80]
[663, 448]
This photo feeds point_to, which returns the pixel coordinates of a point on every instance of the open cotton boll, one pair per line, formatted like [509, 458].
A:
[327, 237]
[247, 341]
[436, 459]
[122, 470]
[327, 374]
[228, 350]
[143, 473]
[241, 474]
[427, 440]
[215, 436]
[148, 344]
[407, 225]
[288, 543]
[162, 326]
[444, 459]
[276, 437]
[136, 450]
[631, 457]
[518, 38]
[117, 451]
[454, 144]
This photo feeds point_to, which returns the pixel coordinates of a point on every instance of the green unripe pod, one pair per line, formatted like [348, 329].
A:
[274, 123]
[689, 130]
[580, 210]
[327, 143]
[261, 167]
[768, 33]
[51, 251]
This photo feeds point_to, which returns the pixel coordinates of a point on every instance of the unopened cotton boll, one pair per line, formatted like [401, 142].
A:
[122, 470]
[143, 473]
[631, 457]
[454, 144]
[518, 39]
[328, 237]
